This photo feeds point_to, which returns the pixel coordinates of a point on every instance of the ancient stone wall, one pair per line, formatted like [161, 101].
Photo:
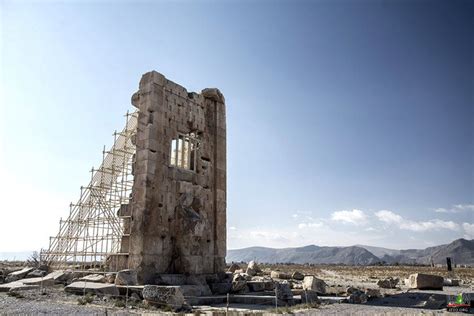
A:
[178, 206]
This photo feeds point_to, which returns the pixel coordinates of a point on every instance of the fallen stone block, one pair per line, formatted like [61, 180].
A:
[252, 268]
[256, 286]
[198, 279]
[163, 296]
[451, 282]
[373, 293]
[17, 275]
[297, 276]
[280, 275]
[312, 283]
[426, 281]
[125, 277]
[46, 282]
[239, 287]
[81, 287]
[16, 286]
[37, 273]
[358, 298]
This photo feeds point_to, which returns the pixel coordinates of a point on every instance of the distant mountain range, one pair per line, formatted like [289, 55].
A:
[461, 251]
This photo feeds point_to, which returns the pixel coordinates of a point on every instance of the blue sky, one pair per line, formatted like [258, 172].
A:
[349, 122]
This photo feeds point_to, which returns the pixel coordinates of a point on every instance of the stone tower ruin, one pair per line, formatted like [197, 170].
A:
[172, 217]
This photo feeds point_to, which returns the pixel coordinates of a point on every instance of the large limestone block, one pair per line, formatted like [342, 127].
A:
[309, 297]
[312, 283]
[426, 281]
[16, 286]
[97, 278]
[195, 290]
[164, 295]
[252, 268]
[280, 275]
[126, 277]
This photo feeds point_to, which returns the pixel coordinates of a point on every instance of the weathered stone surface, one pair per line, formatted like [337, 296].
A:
[97, 278]
[426, 281]
[110, 278]
[37, 273]
[164, 296]
[239, 271]
[44, 281]
[196, 280]
[280, 275]
[17, 275]
[126, 277]
[451, 282]
[373, 293]
[358, 298]
[252, 268]
[256, 286]
[233, 267]
[312, 283]
[178, 205]
[81, 287]
[221, 288]
[297, 276]
[309, 297]
[16, 286]
[170, 279]
[283, 291]
[388, 283]
[195, 290]
[239, 286]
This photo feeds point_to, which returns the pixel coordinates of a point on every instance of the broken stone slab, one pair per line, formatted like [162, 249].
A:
[283, 291]
[16, 286]
[96, 278]
[163, 296]
[256, 286]
[312, 283]
[297, 276]
[126, 277]
[195, 290]
[17, 275]
[81, 287]
[37, 273]
[280, 275]
[46, 282]
[426, 281]
[233, 267]
[388, 283]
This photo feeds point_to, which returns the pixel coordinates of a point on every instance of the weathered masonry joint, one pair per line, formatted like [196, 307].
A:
[170, 215]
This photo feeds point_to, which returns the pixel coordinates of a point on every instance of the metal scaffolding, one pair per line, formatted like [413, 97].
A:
[93, 229]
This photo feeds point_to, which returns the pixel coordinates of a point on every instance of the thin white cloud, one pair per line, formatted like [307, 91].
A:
[468, 230]
[233, 228]
[457, 208]
[310, 225]
[353, 217]
[390, 217]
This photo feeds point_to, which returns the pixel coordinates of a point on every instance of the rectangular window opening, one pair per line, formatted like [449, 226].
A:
[183, 152]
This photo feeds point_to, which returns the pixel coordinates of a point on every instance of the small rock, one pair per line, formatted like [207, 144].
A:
[164, 296]
[389, 283]
[297, 276]
[312, 283]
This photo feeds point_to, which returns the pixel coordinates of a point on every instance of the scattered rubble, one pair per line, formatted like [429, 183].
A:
[388, 283]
